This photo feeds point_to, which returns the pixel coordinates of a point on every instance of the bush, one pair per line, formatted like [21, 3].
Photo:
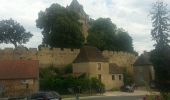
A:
[54, 79]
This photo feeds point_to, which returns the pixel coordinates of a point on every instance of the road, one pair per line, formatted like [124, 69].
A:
[113, 98]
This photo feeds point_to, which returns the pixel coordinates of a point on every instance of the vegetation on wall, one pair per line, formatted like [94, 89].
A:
[63, 81]
[128, 79]
[14, 33]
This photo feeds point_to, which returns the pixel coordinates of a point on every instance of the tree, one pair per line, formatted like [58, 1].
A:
[60, 27]
[13, 32]
[124, 41]
[102, 34]
[160, 55]
[160, 22]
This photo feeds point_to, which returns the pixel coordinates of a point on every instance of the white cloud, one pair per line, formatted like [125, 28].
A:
[132, 15]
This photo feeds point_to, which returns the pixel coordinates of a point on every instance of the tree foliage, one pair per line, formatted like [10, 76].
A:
[160, 55]
[124, 41]
[13, 32]
[161, 24]
[60, 27]
[52, 79]
[104, 35]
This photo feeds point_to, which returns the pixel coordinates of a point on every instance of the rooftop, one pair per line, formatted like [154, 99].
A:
[90, 54]
[18, 69]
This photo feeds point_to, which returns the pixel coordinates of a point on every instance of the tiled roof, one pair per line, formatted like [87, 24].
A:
[114, 69]
[144, 59]
[18, 69]
[90, 54]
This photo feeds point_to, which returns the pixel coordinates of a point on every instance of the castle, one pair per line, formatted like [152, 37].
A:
[105, 65]
[61, 57]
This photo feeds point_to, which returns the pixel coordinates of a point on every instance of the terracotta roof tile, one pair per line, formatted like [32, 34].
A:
[90, 54]
[18, 69]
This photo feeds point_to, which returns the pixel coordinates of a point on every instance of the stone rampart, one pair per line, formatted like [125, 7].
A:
[62, 57]
[46, 56]
[122, 59]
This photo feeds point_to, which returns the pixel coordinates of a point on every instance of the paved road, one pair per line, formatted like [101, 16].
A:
[113, 98]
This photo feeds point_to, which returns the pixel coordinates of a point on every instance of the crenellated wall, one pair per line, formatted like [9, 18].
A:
[122, 59]
[57, 56]
[62, 57]
[46, 56]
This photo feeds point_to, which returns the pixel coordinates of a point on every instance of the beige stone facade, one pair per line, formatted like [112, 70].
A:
[45, 56]
[143, 70]
[91, 62]
[62, 57]
[92, 69]
[122, 59]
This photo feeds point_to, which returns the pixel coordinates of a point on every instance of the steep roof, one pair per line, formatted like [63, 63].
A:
[90, 54]
[144, 59]
[18, 69]
[114, 69]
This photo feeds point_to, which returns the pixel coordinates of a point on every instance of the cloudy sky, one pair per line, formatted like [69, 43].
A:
[132, 15]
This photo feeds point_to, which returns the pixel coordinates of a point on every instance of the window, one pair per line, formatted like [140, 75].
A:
[120, 77]
[113, 77]
[99, 76]
[99, 67]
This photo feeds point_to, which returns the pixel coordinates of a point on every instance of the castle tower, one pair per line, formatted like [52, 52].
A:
[75, 6]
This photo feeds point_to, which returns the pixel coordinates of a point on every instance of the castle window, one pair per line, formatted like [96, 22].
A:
[113, 77]
[120, 77]
[99, 66]
[99, 76]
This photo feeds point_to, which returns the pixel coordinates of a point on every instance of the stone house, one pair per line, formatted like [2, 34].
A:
[143, 69]
[18, 77]
[91, 62]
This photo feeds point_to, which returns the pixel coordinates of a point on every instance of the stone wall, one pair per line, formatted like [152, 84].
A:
[91, 70]
[46, 56]
[15, 88]
[57, 56]
[62, 57]
[122, 59]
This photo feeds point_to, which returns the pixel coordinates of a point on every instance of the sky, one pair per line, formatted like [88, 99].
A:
[131, 15]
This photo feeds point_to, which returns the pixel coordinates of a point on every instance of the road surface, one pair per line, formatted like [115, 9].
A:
[113, 98]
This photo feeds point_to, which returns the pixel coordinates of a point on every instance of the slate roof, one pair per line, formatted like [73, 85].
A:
[18, 69]
[114, 69]
[144, 59]
[90, 54]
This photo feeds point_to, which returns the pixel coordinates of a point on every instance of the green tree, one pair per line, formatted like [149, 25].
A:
[60, 27]
[102, 34]
[124, 41]
[160, 55]
[13, 32]
[160, 22]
